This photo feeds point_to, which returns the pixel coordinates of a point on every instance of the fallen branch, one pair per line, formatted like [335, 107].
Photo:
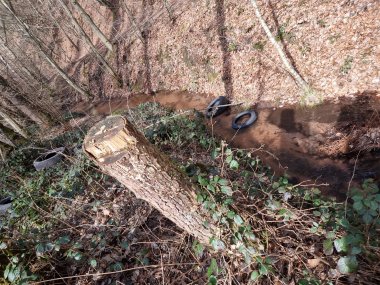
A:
[297, 77]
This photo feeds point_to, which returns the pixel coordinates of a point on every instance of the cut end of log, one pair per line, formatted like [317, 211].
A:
[108, 138]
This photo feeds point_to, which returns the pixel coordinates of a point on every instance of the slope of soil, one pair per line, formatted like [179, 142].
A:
[220, 48]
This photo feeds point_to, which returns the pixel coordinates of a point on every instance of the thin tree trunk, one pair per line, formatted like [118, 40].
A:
[94, 27]
[32, 114]
[5, 140]
[302, 83]
[12, 123]
[88, 41]
[16, 60]
[132, 20]
[60, 27]
[31, 69]
[49, 59]
[124, 153]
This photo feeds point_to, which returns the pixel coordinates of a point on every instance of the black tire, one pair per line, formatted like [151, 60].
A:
[249, 122]
[5, 204]
[213, 110]
[49, 159]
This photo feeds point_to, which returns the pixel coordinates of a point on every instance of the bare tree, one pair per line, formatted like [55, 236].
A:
[93, 26]
[17, 100]
[25, 28]
[12, 123]
[5, 140]
[88, 40]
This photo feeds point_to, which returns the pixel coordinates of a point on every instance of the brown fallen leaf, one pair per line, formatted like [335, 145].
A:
[313, 262]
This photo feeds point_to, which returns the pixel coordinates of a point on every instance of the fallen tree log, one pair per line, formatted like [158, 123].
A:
[125, 154]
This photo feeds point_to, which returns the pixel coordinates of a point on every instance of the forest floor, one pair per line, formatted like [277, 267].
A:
[72, 221]
[219, 48]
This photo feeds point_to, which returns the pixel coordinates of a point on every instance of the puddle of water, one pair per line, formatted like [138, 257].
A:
[289, 139]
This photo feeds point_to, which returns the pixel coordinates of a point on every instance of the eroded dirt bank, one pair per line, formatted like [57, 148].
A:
[320, 145]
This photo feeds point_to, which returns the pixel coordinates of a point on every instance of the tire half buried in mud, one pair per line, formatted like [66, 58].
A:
[252, 118]
[49, 159]
[5, 204]
[213, 108]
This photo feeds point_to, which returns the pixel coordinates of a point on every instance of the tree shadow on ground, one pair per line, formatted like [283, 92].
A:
[146, 14]
[358, 121]
[223, 42]
[260, 79]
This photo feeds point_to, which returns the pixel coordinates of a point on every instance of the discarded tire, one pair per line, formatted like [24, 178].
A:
[213, 108]
[252, 118]
[5, 204]
[49, 159]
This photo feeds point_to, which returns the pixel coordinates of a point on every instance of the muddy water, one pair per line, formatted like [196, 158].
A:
[289, 139]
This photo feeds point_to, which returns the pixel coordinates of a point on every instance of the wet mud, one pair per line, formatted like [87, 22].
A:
[328, 145]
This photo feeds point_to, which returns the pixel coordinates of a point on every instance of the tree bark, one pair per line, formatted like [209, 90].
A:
[124, 153]
[94, 27]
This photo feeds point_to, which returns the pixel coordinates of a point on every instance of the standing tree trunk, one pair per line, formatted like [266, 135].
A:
[124, 153]
[93, 26]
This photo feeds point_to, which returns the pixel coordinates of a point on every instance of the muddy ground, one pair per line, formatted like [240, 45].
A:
[326, 145]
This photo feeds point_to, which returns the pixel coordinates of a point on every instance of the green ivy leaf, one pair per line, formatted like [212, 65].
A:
[328, 247]
[124, 244]
[226, 190]
[229, 159]
[93, 263]
[213, 268]
[330, 235]
[211, 188]
[250, 236]
[202, 181]
[63, 240]
[217, 244]
[255, 275]
[212, 280]
[77, 256]
[367, 218]
[358, 205]
[264, 270]
[3, 245]
[275, 185]
[347, 264]
[341, 245]
[223, 182]
[215, 153]
[303, 282]
[231, 214]
[238, 220]
[7, 269]
[234, 165]
[11, 275]
[355, 250]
